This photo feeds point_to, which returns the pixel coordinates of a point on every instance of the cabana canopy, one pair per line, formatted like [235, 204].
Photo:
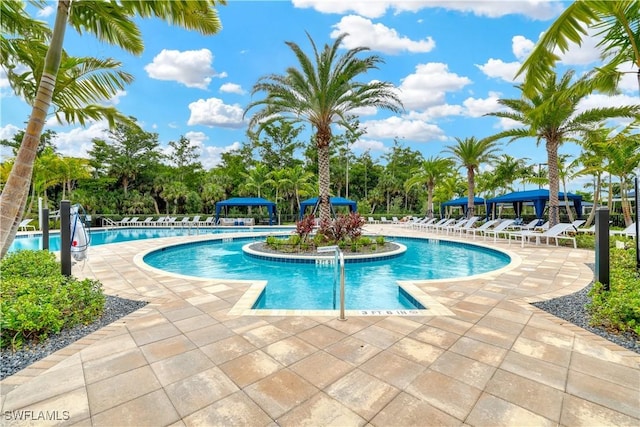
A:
[335, 201]
[539, 199]
[247, 201]
[461, 202]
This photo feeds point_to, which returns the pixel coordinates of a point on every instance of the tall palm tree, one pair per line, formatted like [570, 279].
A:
[300, 182]
[110, 22]
[616, 21]
[552, 115]
[566, 170]
[623, 152]
[470, 153]
[429, 174]
[322, 91]
[592, 159]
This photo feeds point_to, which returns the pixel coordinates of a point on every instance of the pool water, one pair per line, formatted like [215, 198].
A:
[118, 235]
[306, 286]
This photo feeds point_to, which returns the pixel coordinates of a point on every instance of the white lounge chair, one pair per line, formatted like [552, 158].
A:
[453, 227]
[467, 225]
[370, 220]
[557, 232]
[629, 231]
[445, 224]
[484, 227]
[499, 229]
[123, 222]
[434, 225]
[146, 222]
[24, 225]
[384, 220]
[207, 222]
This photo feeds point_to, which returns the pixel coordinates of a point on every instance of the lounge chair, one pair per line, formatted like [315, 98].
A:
[370, 220]
[454, 226]
[384, 220]
[24, 225]
[134, 221]
[630, 231]
[123, 222]
[433, 226]
[557, 232]
[207, 222]
[499, 229]
[588, 230]
[484, 227]
[469, 225]
[423, 223]
[444, 225]
[185, 220]
[146, 222]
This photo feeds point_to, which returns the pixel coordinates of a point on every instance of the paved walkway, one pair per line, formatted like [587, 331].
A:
[185, 360]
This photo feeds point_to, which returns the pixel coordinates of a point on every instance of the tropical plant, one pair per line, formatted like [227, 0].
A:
[429, 174]
[615, 21]
[111, 22]
[321, 92]
[553, 116]
[470, 153]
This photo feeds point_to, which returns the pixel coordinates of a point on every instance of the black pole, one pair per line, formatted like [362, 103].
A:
[45, 229]
[65, 237]
[602, 247]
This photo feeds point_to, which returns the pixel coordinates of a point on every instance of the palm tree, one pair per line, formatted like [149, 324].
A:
[429, 174]
[471, 153]
[616, 21]
[323, 91]
[112, 23]
[566, 171]
[552, 115]
[623, 152]
[592, 159]
[300, 182]
[508, 170]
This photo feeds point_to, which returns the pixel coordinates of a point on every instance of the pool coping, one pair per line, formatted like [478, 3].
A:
[243, 306]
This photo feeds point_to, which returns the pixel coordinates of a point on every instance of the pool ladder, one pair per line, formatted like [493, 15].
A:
[339, 266]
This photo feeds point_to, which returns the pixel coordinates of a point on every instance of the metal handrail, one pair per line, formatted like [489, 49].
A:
[339, 256]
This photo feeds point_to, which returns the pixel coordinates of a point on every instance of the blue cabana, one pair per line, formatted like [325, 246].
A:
[247, 201]
[461, 202]
[334, 201]
[538, 198]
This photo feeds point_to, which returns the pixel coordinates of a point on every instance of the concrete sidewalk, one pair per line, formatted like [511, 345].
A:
[184, 360]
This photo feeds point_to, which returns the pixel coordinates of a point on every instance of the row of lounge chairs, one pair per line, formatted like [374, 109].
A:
[508, 229]
[164, 221]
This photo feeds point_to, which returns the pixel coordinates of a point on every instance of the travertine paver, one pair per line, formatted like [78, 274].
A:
[488, 358]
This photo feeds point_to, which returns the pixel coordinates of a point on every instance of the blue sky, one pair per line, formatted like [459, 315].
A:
[451, 60]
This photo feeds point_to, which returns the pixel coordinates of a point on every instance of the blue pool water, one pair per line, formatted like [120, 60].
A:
[117, 235]
[368, 285]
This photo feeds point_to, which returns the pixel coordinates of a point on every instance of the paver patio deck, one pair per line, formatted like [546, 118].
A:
[183, 360]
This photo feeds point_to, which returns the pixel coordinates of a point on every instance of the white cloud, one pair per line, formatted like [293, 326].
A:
[214, 112]
[606, 101]
[521, 47]
[629, 80]
[192, 68]
[115, 99]
[364, 111]
[370, 9]
[363, 32]
[428, 85]
[414, 130]
[232, 88]
[210, 156]
[368, 144]
[77, 141]
[479, 107]
[534, 9]
[496, 68]
[46, 12]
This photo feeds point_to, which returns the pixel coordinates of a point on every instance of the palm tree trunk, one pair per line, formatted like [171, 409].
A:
[596, 200]
[14, 195]
[324, 181]
[430, 201]
[471, 197]
[552, 163]
[566, 200]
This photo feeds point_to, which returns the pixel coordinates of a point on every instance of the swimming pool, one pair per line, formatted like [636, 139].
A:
[117, 235]
[369, 285]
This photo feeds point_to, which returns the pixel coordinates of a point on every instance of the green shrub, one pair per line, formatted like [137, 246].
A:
[618, 309]
[380, 240]
[29, 264]
[364, 241]
[36, 300]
